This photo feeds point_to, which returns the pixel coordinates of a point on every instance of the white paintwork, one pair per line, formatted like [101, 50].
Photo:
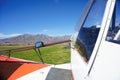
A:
[103, 31]
[40, 74]
[106, 65]
[78, 65]
[117, 35]
[99, 38]
[63, 66]
[76, 59]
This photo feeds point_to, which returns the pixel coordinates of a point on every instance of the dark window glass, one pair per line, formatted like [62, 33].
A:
[88, 32]
[114, 29]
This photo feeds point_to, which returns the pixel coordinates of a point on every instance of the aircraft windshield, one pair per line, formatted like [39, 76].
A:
[89, 27]
[114, 29]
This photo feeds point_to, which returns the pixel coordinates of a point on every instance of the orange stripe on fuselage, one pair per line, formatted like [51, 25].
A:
[26, 69]
[17, 71]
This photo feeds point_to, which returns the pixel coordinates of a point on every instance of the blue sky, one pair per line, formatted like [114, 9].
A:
[51, 17]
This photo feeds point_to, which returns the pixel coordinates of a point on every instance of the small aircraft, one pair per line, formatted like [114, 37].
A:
[19, 69]
[95, 48]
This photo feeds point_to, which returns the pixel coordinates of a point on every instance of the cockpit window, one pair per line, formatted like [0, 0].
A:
[113, 34]
[89, 30]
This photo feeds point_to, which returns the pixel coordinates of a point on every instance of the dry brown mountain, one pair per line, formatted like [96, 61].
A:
[31, 39]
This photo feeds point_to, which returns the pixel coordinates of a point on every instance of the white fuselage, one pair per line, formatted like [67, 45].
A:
[104, 62]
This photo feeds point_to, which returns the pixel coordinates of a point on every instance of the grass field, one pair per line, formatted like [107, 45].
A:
[55, 54]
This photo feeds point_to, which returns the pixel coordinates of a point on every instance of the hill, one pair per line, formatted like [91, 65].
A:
[29, 39]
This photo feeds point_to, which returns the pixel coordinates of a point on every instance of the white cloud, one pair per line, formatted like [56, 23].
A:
[2, 35]
[45, 30]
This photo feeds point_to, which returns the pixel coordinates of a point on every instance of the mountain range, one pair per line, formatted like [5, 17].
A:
[29, 39]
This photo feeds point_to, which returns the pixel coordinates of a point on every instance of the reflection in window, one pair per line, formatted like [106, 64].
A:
[89, 30]
[114, 29]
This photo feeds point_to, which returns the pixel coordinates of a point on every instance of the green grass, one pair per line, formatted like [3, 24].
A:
[55, 54]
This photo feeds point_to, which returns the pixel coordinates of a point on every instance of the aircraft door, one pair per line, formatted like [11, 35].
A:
[107, 61]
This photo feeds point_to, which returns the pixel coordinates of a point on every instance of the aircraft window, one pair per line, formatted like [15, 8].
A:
[113, 34]
[88, 33]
